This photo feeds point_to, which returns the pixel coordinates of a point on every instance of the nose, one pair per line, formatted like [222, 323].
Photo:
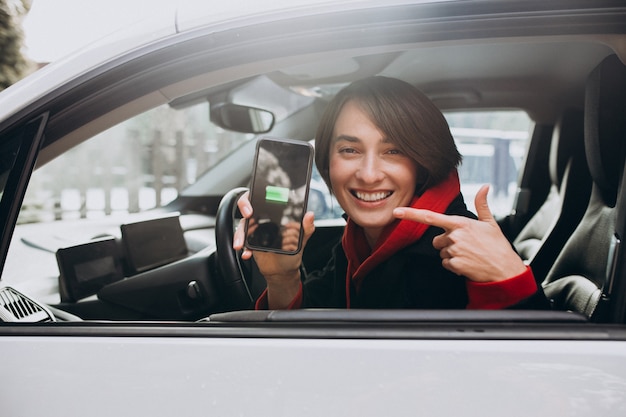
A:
[370, 170]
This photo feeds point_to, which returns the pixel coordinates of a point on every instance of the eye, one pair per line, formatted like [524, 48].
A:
[394, 151]
[347, 150]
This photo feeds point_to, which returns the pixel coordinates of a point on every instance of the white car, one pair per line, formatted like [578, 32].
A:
[119, 165]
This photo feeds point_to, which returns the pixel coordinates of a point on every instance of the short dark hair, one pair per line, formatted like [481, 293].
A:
[405, 116]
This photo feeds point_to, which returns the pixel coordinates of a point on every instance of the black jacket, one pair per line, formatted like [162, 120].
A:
[413, 278]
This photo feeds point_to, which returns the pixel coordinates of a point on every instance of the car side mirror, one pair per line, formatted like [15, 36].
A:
[242, 119]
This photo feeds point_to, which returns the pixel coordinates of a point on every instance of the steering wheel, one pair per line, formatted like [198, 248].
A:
[236, 281]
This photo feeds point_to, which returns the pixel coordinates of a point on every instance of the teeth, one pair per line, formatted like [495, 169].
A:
[372, 196]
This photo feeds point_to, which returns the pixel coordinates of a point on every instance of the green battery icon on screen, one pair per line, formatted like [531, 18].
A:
[276, 194]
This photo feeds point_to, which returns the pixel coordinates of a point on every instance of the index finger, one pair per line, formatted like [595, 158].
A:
[428, 217]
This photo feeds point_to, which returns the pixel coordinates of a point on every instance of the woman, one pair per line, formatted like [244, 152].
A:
[387, 154]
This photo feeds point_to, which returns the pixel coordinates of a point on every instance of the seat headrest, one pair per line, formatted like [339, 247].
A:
[605, 125]
[567, 142]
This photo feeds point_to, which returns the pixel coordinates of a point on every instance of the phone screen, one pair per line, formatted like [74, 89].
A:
[279, 195]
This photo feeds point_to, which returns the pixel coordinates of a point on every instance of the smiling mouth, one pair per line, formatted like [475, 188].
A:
[372, 197]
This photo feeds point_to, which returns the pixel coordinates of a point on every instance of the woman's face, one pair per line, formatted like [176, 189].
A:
[369, 175]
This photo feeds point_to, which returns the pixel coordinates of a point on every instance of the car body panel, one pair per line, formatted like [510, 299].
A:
[164, 375]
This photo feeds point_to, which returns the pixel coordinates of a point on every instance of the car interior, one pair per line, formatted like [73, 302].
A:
[546, 231]
[567, 219]
[583, 275]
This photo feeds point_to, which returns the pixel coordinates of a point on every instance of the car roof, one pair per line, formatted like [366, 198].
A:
[532, 55]
[162, 22]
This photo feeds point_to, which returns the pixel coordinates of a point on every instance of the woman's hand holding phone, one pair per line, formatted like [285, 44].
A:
[281, 272]
[275, 225]
[285, 262]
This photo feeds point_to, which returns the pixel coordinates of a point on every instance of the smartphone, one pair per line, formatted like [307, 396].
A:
[279, 193]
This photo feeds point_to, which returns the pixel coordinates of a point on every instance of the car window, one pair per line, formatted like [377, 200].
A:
[147, 160]
[493, 145]
[134, 166]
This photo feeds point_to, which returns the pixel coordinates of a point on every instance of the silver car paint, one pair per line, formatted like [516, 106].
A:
[166, 376]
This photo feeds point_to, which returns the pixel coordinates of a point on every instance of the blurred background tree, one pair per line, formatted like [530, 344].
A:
[13, 65]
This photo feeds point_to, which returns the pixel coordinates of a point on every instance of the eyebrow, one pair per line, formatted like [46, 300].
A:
[354, 139]
[346, 138]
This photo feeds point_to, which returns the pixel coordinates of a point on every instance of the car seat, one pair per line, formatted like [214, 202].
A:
[541, 239]
[581, 278]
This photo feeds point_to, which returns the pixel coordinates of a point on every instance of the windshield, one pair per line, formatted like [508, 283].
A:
[140, 164]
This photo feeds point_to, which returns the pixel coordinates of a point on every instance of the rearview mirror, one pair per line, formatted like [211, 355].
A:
[242, 119]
